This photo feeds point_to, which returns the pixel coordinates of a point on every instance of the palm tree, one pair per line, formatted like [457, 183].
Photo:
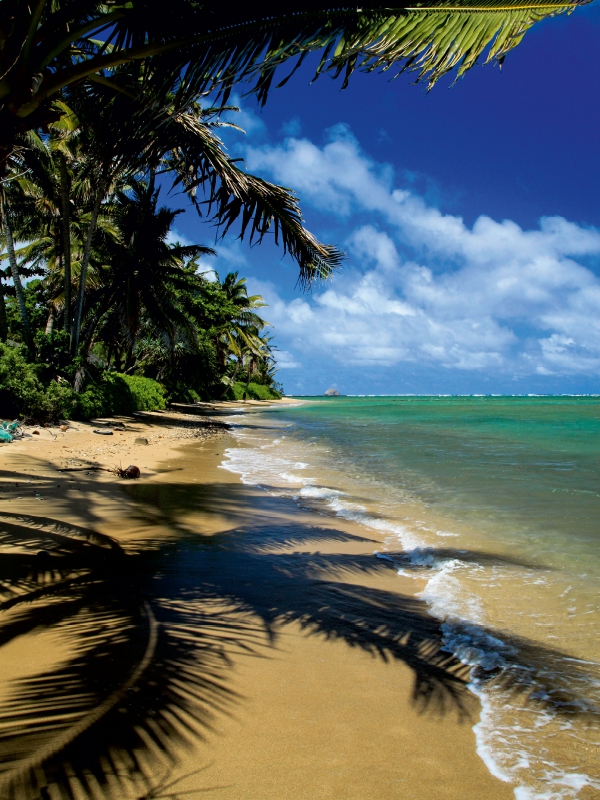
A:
[50, 46]
[3, 318]
[121, 53]
[145, 270]
[52, 190]
[41, 191]
[259, 355]
[7, 231]
[239, 325]
[236, 293]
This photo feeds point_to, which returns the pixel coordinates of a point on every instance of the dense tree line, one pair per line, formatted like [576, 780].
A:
[130, 301]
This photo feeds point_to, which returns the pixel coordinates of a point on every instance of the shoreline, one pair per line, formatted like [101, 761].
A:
[336, 686]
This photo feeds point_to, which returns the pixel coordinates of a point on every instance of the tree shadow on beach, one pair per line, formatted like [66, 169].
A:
[149, 636]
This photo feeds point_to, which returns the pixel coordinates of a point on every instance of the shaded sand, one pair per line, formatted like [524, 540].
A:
[202, 638]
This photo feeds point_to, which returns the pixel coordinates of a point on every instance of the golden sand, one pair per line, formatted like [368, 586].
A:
[187, 636]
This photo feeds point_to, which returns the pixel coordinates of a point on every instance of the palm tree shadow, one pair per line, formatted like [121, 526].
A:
[152, 635]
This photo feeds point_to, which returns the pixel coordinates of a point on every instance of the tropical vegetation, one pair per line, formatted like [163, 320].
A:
[156, 326]
[150, 311]
[105, 104]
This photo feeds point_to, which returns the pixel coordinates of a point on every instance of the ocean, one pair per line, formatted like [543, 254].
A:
[492, 506]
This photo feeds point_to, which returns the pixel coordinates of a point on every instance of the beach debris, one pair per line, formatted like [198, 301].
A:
[140, 440]
[14, 427]
[105, 432]
[37, 433]
[64, 428]
[5, 436]
[130, 472]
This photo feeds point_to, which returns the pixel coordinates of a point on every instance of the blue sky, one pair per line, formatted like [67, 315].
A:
[470, 216]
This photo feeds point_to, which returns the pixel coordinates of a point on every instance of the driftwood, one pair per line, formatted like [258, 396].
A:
[131, 471]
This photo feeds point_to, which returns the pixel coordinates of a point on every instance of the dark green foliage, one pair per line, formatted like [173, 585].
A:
[24, 393]
[118, 394]
[53, 353]
[35, 302]
[133, 393]
[254, 391]
[149, 312]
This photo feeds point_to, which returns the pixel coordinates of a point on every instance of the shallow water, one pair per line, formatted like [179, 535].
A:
[491, 505]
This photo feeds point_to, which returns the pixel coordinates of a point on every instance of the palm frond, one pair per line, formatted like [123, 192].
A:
[260, 207]
[432, 38]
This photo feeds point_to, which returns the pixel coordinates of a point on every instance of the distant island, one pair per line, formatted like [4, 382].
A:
[332, 393]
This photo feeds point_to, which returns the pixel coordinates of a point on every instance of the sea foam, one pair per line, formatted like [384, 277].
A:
[507, 747]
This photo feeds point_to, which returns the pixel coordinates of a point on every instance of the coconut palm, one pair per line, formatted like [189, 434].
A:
[9, 244]
[236, 292]
[52, 191]
[144, 270]
[49, 46]
[239, 323]
[259, 356]
[140, 57]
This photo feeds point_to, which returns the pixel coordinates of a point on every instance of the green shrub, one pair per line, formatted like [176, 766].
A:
[183, 394]
[54, 354]
[24, 393]
[141, 394]
[20, 386]
[255, 391]
[59, 402]
[92, 402]
[119, 394]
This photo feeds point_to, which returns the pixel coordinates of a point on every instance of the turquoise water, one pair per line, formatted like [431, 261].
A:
[526, 469]
[491, 505]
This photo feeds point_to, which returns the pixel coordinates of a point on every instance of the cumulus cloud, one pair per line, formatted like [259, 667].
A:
[422, 286]
[286, 360]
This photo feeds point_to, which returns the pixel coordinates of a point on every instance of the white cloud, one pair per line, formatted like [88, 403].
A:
[246, 119]
[229, 258]
[286, 360]
[175, 237]
[421, 286]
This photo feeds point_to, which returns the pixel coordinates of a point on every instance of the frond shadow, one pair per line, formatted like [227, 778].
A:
[150, 636]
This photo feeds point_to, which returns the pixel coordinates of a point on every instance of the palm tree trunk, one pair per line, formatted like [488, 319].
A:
[3, 320]
[251, 368]
[50, 320]
[87, 250]
[129, 357]
[66, 235]
[14, 271]
[232, 379]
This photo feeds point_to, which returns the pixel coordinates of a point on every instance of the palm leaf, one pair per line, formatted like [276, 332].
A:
[260, 207]
[211, 45]
[432, 38]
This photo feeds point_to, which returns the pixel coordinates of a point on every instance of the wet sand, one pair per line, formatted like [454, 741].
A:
[194, 637]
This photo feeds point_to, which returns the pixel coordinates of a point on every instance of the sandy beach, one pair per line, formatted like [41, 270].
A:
[185, 635]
